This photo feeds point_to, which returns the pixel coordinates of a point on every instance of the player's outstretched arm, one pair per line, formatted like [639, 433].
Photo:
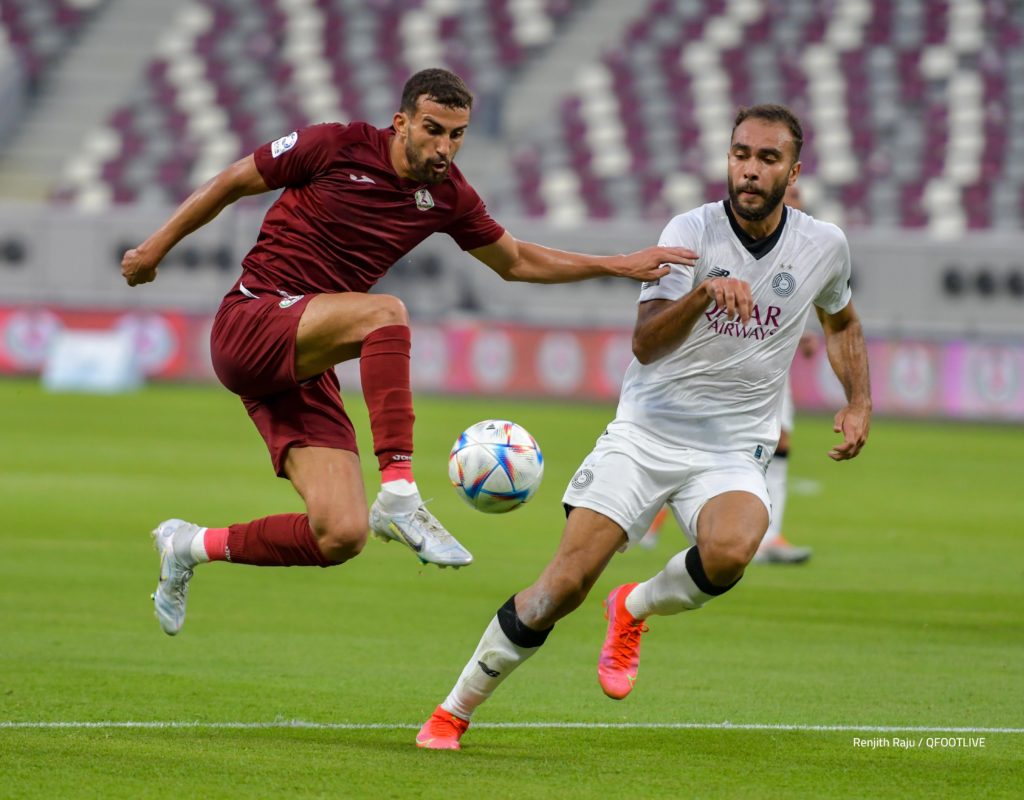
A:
[139, 265]
[514, 260]
[663, 325]
[848, 355]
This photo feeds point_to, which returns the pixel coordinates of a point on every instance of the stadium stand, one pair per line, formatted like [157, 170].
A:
[39, 31]
[906, 107]
[232, 74]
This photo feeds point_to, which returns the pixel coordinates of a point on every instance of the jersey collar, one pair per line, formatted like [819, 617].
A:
[758, 248]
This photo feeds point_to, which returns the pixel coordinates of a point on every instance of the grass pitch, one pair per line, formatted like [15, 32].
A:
[908, 616]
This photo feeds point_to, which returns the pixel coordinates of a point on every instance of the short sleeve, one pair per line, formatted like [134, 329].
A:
[681, 231]
[473, 227]
[836, 293]
[295, 159]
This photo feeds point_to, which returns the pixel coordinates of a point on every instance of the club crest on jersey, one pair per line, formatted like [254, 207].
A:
[284, 144]
[424, 202]
[784, 284]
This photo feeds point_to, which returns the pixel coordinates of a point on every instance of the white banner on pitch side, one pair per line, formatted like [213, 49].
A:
[92, 361]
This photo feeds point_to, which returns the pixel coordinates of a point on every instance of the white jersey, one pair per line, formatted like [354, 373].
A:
[720, 390]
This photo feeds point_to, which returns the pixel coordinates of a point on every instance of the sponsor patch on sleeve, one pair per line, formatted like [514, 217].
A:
[284, 144]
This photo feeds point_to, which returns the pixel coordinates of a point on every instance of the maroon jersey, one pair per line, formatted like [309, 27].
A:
[345, 216]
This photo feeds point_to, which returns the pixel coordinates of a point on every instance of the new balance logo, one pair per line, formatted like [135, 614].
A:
[718, 272]
[361, 178]
[490, 673]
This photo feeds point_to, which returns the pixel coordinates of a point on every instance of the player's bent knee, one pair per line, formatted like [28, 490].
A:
[724, 562]
[339, 540]
[389, 310]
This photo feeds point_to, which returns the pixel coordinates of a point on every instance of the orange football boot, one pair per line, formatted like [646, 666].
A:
[620, 655]
[442, 731]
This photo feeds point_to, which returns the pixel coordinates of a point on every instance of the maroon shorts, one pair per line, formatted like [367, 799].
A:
[253, 350]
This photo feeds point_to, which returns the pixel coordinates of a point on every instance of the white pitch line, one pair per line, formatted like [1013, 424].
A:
[362, 726]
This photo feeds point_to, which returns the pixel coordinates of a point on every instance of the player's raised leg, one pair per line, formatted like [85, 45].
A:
[375, 329]
[332, 531]
[523, 623]
[729, 528]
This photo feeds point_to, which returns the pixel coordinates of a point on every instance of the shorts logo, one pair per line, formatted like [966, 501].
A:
[290, 300]
[648, 284]
[582, 479]
[424, 202]
[784, 284]
[284, 144]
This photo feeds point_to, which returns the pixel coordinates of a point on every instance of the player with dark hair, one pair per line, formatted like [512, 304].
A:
[698, 418]
[356, 199]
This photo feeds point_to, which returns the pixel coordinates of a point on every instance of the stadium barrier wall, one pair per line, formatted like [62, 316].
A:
[906, 284]
[956, 379]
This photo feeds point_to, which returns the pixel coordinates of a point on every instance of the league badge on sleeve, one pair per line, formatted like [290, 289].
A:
[284, 144]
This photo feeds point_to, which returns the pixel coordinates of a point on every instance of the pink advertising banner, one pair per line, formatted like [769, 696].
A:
[953, 379]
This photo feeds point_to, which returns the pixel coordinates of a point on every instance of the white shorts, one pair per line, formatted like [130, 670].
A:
[629, 476]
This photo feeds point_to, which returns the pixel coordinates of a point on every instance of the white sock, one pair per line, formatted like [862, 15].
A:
[400, 497]
[197, 548]
[495, 657]
[670, 591]
[190, 551]
[776, 478]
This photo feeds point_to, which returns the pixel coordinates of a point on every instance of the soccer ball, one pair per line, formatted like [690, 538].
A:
[495, 466]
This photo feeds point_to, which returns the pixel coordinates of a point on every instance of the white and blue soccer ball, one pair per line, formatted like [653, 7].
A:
[495, 466]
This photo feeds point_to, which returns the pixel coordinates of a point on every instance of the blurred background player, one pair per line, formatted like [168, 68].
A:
[774, 548]
[697, 419]
[356, 199]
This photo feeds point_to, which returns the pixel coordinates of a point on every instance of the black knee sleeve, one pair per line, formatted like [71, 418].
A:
[696, 569]
[516, 630]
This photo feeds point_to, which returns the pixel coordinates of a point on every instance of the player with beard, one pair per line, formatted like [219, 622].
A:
[697, 420]
[356, 199]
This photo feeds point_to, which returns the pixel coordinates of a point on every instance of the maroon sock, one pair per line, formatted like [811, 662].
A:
[215, 542]
[283, 540]
[384, 371]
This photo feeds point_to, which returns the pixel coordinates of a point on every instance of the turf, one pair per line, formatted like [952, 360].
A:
[908, 615]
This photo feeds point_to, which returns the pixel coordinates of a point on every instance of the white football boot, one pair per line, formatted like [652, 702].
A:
[780, 551]
[173, 539]
[420, 531]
